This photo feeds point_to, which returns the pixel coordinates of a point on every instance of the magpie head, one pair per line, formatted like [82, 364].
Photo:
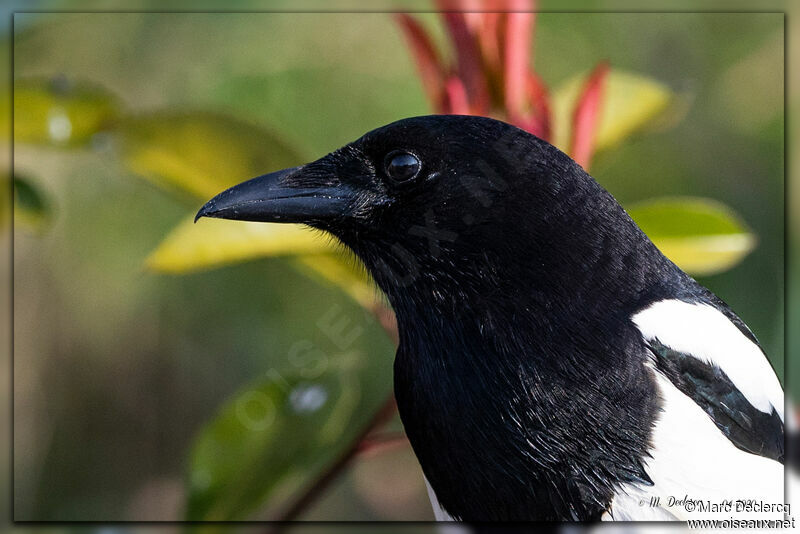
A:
[444, 199]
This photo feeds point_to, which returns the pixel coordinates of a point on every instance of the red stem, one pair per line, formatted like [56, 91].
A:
[321, 484]
[374, 445]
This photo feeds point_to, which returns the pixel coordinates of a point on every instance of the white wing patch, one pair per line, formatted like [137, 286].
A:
[691, 458]
[707, 334]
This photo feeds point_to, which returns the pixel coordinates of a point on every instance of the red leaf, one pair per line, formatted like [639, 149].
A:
[519, 29]
[457, 102]
[537, 119]
[531, 124]
[468, 61]
[530, 6]
[431, 70]
[586, 116]
[489, 35]
[540, 103]
[474, 19]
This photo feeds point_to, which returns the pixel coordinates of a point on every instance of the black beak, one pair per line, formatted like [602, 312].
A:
[272, 198]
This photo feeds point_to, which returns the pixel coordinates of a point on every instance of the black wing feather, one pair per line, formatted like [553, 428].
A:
[707, 385]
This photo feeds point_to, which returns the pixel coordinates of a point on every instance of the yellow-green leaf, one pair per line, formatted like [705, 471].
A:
[58, 112]
[630, 102]
[200, 152]
[700, 235]
[216, 242]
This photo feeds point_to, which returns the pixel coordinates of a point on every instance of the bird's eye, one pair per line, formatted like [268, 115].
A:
[402, 166]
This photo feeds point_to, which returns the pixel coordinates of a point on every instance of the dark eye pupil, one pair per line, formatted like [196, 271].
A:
[402, 167]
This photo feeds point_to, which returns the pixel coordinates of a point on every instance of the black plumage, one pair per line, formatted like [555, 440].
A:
[521, 381]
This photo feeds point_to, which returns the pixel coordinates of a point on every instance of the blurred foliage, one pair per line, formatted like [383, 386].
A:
[170, 349]
[215, 242]
[59, 112]
[630, 103]
[31, 209]
[281, 432]
[702, 236]
[212, 243]
[200, 152]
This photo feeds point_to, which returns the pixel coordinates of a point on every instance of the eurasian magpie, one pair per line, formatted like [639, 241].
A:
[552, 363]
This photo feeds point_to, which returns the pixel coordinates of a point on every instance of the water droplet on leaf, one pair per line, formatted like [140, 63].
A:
[59, 127]
[308, 398]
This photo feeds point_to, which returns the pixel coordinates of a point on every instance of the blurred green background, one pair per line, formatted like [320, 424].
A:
[116, 368]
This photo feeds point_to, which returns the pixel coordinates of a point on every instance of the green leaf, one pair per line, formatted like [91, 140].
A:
[630, 102]
[200, 152]
[215, 242]
[700, 235]
[277, 435]
[31, 209]
[58, 112]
